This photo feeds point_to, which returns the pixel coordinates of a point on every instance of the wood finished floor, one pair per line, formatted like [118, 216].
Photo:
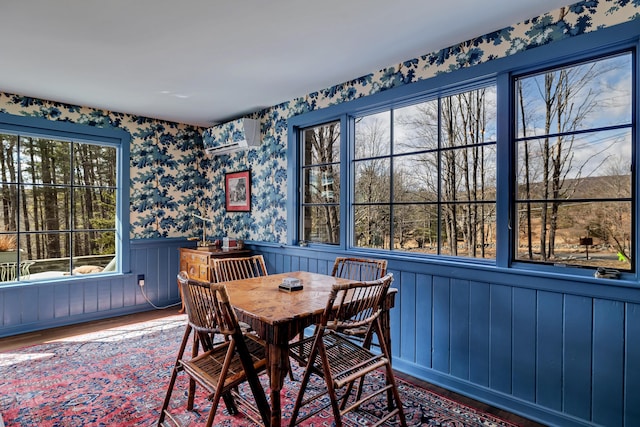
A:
[39, 337]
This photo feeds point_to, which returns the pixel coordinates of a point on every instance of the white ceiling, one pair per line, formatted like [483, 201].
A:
[207, 61]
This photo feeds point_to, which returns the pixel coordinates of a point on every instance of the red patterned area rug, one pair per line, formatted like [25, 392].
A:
[117, 377]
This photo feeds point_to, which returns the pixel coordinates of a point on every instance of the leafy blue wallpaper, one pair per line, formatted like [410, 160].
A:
[171, 177]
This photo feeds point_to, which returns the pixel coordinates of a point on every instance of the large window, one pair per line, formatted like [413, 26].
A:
[521, 167]
[574, 177]
[321, 184]
[58, 210]
[425, 176]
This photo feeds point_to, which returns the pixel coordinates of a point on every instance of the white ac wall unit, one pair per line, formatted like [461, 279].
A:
[240, 134]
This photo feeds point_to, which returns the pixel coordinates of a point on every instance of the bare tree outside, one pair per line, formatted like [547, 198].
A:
[372, 175]
[573, 142]
[321, 175]
[434, 192]
[58, 205]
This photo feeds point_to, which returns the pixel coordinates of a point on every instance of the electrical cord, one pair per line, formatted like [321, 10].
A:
[144, 294]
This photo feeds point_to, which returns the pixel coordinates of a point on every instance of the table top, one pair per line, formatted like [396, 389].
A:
[261, 299]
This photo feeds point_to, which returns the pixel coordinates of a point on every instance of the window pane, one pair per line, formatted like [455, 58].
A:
[8, 247]
[94, 208]
[9, 158]
[416, 228]
[45, 208]
[38, 252]
[94, 165]
[469, 173]
[415, 128]
[591, 165]
[591, 95]
[322, 144]
[372, 182]
[9, 207]
[372, 135]
[606, 224]
[469, 118]
[372, 227]
[322, 184]
[45, 161]
[321, 224]
[409, 227]
[415, 178]
[93, 247]
[444, 150]
[469, 230]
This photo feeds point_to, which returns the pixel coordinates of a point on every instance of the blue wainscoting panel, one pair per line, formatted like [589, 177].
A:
[441, 331]
[500, 334]
[406, 302]
[459, 319]
[608, 362]
[44, 304]
[32, 306]
[632, 366]
[577, 355]
[479, 340]
[559, 350]
[549, 350]
[422, 320]
[29, 310]
[523, 380]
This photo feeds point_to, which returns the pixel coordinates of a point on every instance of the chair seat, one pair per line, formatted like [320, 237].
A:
[206, 368]
[345, 357]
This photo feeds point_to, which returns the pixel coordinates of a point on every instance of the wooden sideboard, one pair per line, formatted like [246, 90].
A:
[197, 261]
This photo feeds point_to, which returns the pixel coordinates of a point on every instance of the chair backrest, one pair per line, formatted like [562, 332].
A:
[361, 269]
[200, 303]
[223, 311]
[354, 306]
[228, 269]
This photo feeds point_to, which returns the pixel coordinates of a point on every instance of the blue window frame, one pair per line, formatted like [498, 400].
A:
[588, 121]
[64, 199]
[574, 141]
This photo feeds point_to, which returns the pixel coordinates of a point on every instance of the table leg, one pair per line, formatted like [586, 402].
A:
[385, 317]
[278, 357]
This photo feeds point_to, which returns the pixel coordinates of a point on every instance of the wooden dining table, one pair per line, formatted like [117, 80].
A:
[279, 316]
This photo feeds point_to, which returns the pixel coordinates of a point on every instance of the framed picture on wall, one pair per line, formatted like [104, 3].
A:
[237, 190]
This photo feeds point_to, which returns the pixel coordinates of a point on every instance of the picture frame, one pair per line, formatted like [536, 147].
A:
[237, 191]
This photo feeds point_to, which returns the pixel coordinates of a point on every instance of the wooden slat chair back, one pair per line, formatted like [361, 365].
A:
[236, 359]
[362, 269]
[340, 360]
[228, 269]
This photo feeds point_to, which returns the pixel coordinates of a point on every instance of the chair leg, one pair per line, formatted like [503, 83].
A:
[192, 384]
[396, 395]
[300, 397]
[174, 374]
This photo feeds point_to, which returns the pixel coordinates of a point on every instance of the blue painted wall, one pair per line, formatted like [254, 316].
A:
[47, 304]
[555, 348]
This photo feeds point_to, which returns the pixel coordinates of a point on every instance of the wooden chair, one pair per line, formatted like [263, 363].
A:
[341, 361]
[362, 269]
[228, 269]
[225, 364]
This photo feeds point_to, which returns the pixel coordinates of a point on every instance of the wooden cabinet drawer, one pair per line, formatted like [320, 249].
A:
[194, 258]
